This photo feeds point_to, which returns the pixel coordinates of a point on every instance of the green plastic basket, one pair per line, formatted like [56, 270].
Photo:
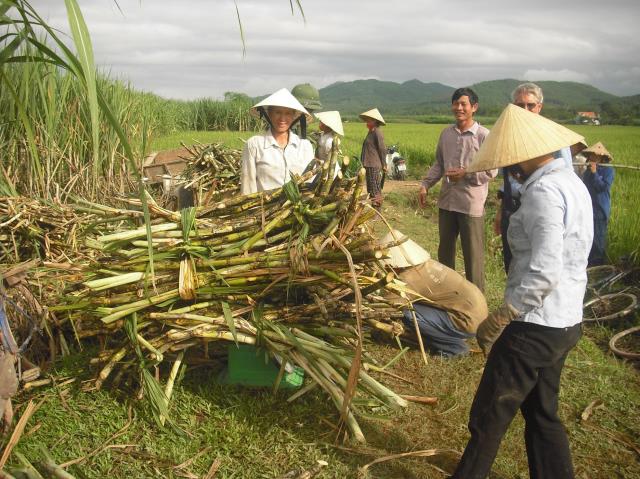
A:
[249, 366]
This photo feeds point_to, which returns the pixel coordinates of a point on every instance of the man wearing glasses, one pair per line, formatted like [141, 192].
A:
[527, 96]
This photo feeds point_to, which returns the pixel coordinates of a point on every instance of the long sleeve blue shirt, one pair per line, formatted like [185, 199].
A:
[512, 190]
[550, 236]
[599, 186]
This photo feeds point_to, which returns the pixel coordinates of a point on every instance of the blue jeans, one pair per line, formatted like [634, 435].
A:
[438, 333]
[598, 253]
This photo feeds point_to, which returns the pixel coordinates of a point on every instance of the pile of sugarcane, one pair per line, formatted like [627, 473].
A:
[294, 271]
[32, 228]
[213, 171]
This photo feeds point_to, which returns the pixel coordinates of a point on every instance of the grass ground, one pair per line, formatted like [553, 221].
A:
[256, 434]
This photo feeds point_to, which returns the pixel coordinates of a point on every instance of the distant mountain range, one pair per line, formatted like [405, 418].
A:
[415, 97]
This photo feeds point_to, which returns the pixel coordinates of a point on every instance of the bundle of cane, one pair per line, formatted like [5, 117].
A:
[294, 270]
[32, 228]
[213, 171]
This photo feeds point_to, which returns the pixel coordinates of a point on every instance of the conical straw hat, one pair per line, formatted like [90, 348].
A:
[406, 254]
[600, 150]
[281, 98]
[374, 114]
[332, 120]
[520, 135]
[578, 147]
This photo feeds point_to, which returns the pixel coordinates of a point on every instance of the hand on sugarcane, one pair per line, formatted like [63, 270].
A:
[455, 174]
[491, 328]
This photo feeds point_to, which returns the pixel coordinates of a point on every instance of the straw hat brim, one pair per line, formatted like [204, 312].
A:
[519, 135]
[282, 98]
[406, 254]
[600, 150]
[332, 120]
[373, 114]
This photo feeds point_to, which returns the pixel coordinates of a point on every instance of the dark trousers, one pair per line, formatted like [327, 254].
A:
[598, 253]
[522, 372]
[508, 206]
[471, 232]
[506, 249]
[372, 175]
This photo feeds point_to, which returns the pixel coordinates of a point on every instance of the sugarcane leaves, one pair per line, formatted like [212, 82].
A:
[85, 55]
[188, 281]
[292, 192]
[257, 318]
[300, 211]
[11, 47]
[153, 392]
[4, 8]
[187, 221]
[228, 317]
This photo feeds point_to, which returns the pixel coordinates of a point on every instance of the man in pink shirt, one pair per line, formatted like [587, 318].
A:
[462, 195]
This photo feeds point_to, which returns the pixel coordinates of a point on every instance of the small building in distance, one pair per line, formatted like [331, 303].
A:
[587, 118]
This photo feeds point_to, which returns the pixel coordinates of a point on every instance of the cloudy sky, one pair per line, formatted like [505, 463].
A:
[192, 48]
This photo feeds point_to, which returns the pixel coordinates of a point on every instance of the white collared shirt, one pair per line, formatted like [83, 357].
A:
[265, 165]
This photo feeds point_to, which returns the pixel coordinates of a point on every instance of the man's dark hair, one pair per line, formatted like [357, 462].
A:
[473, 98]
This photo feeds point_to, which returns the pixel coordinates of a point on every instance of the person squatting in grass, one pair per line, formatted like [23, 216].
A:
[599, 179]
[374, 154]
[269, 159]
[528, 96]
[462, 195]
[550, 236]
[454, 307]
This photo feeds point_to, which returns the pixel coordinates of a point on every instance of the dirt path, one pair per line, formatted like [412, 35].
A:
[394, 185]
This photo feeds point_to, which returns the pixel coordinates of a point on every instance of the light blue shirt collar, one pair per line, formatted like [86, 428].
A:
[552, 165]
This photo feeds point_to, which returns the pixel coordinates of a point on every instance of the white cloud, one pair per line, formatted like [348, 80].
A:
[193, 48]
[557, 75]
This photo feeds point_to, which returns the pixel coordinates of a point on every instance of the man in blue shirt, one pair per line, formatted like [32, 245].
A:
[550, 236]
[599, 179]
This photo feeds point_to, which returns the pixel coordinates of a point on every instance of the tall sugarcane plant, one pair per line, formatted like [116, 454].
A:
[81, 65]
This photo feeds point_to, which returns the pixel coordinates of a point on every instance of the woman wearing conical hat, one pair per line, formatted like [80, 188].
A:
[269, 159]
[599, 179]
[550, 237]
[374, 154]
[330, 126]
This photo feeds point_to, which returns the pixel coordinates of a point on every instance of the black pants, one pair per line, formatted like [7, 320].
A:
[506, 249]
[522, 372]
